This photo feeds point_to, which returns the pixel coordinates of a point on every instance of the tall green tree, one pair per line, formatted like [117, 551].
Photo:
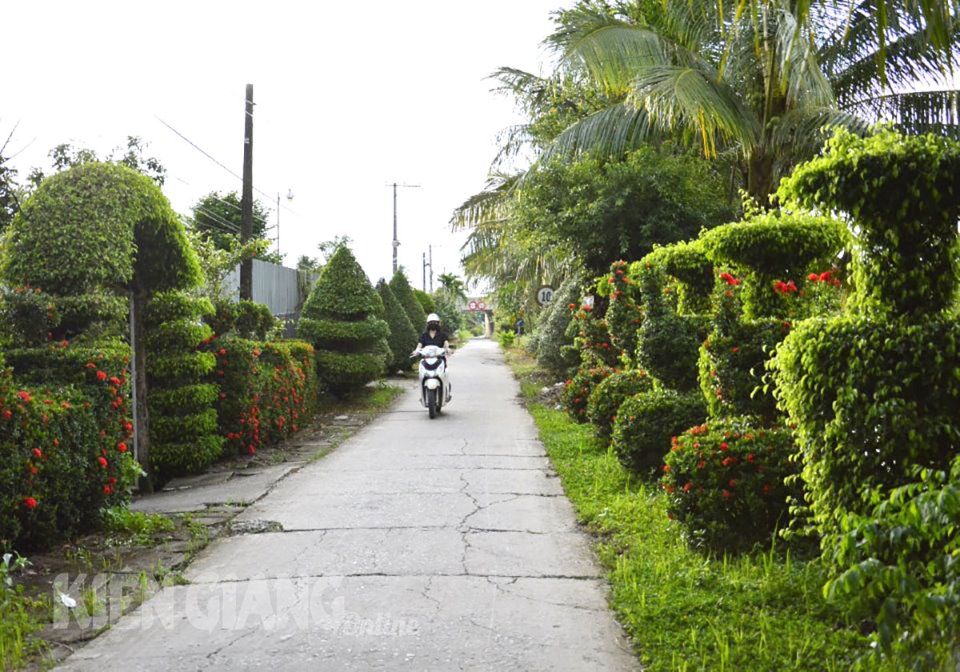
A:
[404, 293]
[755, 86]
[219, 216]
[132, 155]
[449, 282]
[403, 337]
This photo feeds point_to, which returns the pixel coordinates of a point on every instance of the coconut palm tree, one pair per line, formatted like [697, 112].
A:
[757, 79]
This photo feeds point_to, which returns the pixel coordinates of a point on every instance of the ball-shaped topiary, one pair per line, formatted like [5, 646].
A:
[607, 397]
[646, 423]
[403, 337]
[342, 319]
[404, 292]
[577, 390]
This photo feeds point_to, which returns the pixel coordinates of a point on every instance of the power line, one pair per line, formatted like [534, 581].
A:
[209, 156]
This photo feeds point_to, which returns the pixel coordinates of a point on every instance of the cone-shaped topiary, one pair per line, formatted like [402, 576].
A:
[341, 317]
[403, 337]
[404, 293]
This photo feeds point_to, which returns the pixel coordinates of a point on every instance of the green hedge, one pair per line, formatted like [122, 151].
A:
[647, 421]
[403, 292]
[268, 391]
[403, 337]
[725, 483]
[688, 264]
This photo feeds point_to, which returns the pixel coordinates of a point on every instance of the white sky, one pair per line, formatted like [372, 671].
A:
[350, 96]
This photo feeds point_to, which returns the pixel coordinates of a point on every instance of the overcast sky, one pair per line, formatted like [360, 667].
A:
[349, 96]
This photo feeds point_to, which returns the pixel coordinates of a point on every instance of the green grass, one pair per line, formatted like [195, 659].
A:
[141, 527]
[685, 611]
[18, 617]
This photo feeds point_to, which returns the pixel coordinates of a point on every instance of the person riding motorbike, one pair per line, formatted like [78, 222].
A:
[433, 335]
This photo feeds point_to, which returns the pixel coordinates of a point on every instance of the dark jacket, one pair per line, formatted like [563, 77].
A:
[437, 340]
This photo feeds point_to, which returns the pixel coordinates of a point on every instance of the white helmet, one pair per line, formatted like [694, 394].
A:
[433, 318]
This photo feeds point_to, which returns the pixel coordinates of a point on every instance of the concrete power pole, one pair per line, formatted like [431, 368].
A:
[246, 201]
[396, 241]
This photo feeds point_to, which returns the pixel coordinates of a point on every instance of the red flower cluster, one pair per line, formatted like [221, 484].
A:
[729, 279]
[826, 276]
[781, 287]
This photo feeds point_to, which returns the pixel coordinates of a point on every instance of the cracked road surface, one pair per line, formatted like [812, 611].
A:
[418, 544]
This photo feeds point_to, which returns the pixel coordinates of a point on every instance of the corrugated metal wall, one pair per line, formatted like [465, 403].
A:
[282, 289]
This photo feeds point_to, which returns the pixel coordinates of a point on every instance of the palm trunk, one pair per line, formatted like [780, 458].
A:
[760, 177]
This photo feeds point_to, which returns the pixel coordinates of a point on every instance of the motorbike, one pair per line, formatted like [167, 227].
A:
[435, 391]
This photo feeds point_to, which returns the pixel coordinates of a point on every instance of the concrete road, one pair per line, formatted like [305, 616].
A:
[419, 544]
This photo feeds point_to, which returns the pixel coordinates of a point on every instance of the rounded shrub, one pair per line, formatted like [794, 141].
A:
[403, 337]
[342, 320]
[647, 421]
[607, 397]
[577, 390]
[404, 293]
[725, 483]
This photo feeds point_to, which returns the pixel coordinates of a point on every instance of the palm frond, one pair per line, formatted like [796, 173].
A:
[679, 97]
[936, 111]
[486, 206]
[609, 133]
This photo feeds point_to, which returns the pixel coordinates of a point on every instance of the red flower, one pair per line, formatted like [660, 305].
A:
[107, 490]
[128, 427]
[91, 365]
[7, 414]
[102, 461]
[724, 445]
[56, 442]
[24, 395]
[823, 277]
[36, 451]
[122, 447]
[701, 464]
[686, 488]
[101, 376]
[34, 470]
[732, 483]
[116, 381]
[729, 279]
[813, 277]
[666, 468]
[30, 502]
[727, 494]
[750, 458]
[766, 489]
[735, 349]
[727, 461]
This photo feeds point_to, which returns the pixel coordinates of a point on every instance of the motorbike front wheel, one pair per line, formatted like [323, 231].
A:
[432, 403]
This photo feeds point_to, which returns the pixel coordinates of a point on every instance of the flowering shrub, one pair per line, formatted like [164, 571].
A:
[268, 390]
[646, 422]
[609, 395]
[183, 420]
[64, 451]
[624, 313]
[592, 338]
[576, 392]
[725, 482]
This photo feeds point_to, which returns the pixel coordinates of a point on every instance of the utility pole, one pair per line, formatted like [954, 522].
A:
[424, 271]
[246, 201]
[430, 247]
[396, 241]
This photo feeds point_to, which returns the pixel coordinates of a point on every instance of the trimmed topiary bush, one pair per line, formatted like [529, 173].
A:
[403, 337]
[607, 397]
[667, 343]
[183, 419]
[689, 265]
[624, 313]
[576, 392]
[426, 301]
[404, 292]
[552, 328]
[342, 319]
[647, 421]
[725, 483]
[592, 339]
[775, 252]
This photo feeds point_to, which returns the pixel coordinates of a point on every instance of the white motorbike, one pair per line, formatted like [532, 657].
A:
[434, 383]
